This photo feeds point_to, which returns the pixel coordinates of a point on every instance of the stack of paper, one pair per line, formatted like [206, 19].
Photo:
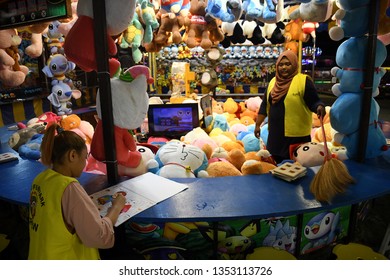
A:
[289, 171]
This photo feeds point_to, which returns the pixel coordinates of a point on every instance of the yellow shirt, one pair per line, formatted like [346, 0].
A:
[49, 237]
[298, 117]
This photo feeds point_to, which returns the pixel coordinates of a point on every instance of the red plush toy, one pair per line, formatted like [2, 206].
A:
[79, 44]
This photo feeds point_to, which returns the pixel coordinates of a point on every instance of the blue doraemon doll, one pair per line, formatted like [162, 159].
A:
[351, 57]
[345, 120]
[176, 159]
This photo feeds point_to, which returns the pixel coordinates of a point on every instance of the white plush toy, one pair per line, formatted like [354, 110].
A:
[60, 97]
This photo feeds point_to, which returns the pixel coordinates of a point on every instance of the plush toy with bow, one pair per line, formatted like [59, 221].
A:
[130, 103]
[11, 72]
[79, 45]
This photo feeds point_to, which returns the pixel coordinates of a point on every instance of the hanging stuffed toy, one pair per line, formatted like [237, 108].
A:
[79, 45]
[313, 10]
[11, 72]
[57, 66]
[60, 97]
[130, 103]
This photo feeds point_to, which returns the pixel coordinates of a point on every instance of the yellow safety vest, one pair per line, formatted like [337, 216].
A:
[298, 117]
[49, 237]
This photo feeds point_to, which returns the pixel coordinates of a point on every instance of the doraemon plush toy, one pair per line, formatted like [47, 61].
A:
[353, 17]
[351, 57]
[345, 119]
[130, 103]
[176, 159]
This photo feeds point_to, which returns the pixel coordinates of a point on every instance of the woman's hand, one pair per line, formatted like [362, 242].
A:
[257, 131]
[321, 111]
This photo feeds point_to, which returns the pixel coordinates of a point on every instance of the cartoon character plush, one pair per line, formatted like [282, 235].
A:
[176, 159]
[83, 128]
[130, 103]
[57, 66]
[79, 45]
[352, 18]
[345, 119]
[53, 38]
[11, 72]
[308, 154]
[350, 56]
[148, 17]
[60, 97]
[132, 37]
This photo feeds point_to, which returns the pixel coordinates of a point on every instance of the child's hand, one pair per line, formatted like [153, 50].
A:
[118, 201]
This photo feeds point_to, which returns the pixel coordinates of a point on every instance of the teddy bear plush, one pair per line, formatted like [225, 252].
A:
[79, 45]
[176, 159]
[12, 74]
[351, 57]
[196, 26]
[130, 103]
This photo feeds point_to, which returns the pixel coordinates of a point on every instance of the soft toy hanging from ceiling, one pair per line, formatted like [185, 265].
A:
[313, 10]
[11, 72]
[79, 44]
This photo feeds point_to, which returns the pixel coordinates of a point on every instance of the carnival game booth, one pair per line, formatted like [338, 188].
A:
[228, 217]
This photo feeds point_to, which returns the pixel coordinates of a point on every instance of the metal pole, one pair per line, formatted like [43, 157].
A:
[100, 33]
[368, 80]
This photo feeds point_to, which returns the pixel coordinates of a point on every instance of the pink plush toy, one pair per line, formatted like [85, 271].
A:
[79, 44]
[130, 103]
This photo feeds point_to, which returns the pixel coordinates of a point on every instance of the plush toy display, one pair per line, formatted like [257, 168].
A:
[11, 72]
[225, 10]
[79, 45]
[176, 159]
[130, 103]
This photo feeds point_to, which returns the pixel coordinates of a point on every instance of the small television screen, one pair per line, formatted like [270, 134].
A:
[172, 120]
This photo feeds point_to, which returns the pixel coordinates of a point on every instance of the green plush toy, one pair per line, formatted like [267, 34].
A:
[132, 37]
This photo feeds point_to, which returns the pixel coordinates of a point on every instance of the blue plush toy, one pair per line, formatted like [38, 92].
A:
[353, 17]
[31, 150]
[345, 119]
[225, 10]
[253, 9]
[351, 57]
[177, 159]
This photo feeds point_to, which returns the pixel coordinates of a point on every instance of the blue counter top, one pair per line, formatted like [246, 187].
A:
[209, 199]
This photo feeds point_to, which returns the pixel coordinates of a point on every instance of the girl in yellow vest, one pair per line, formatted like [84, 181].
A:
[290, 99]
[64, 222]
